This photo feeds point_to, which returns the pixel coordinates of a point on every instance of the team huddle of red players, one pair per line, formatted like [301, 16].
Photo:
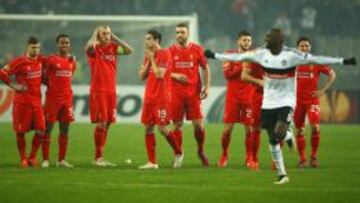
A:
[174, 90]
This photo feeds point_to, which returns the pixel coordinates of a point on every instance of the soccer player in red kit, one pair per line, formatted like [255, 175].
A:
[27, 111]
[57, 74]
[307, 102]
[238, 101]
[102, 50]
[253, 73]
[156, 70]
[187, 91]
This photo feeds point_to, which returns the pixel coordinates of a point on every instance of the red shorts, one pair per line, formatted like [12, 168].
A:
[238, 113]
[103, 107]
[256, 110]
[58, 112]
[183, 104]
[312, 110]
[26, 118]
[158, 114]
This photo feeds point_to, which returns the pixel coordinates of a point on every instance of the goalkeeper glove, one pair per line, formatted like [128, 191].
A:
[209, 54]
[349, 61]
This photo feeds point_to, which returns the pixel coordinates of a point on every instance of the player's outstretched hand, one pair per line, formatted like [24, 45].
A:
[209, 54]
[350, 61]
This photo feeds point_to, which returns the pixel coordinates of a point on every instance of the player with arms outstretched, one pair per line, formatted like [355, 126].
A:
[57, 75]
[279, 99]
[102, 51]
[307, 102]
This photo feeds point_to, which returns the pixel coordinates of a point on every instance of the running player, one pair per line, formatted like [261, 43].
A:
[279, 64]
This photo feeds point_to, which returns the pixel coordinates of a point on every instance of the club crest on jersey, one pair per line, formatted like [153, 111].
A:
[176, 57]
[283, 62]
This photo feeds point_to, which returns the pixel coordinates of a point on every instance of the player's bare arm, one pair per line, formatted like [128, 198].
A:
[247, 77]
[159, 72]
[329, 81]
[92, 41]
[124, 47]
[180, 78]
[144, 72]
[4, 76]
[207, 80]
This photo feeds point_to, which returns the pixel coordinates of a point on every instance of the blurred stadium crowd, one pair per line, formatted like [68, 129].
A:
[328, 22]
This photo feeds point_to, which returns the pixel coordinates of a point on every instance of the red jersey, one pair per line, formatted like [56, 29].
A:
[28, 73]
[186, 60]
[257, 72]
[237, 90]
[307, 77]
[158, 90]
[59, 71]
[103, 63]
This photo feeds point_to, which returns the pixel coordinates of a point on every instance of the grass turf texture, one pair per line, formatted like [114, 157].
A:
[336, 180]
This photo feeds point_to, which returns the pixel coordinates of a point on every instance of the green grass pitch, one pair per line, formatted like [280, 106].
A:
[336, 180]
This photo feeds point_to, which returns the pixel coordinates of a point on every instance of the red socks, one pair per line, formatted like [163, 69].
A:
[173, 143]
[178, 136]
[21, 145]
[301, 145]
[46, 147]
[99, 138]
[225, 142]
[150, 143]
[249, 146]
[63, 142]
[36, 142]
[256, 145]
[315, 140]
[200, 139]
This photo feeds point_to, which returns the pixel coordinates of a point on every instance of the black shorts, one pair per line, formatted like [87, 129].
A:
[269, 117]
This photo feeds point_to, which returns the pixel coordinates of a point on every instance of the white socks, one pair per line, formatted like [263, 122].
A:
[277, 157]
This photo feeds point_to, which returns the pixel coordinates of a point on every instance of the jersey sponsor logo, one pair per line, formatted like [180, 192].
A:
[184, 64]
[108, 57]
[280, 76]
[63, 73]
[305, 75]
[33, 74]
